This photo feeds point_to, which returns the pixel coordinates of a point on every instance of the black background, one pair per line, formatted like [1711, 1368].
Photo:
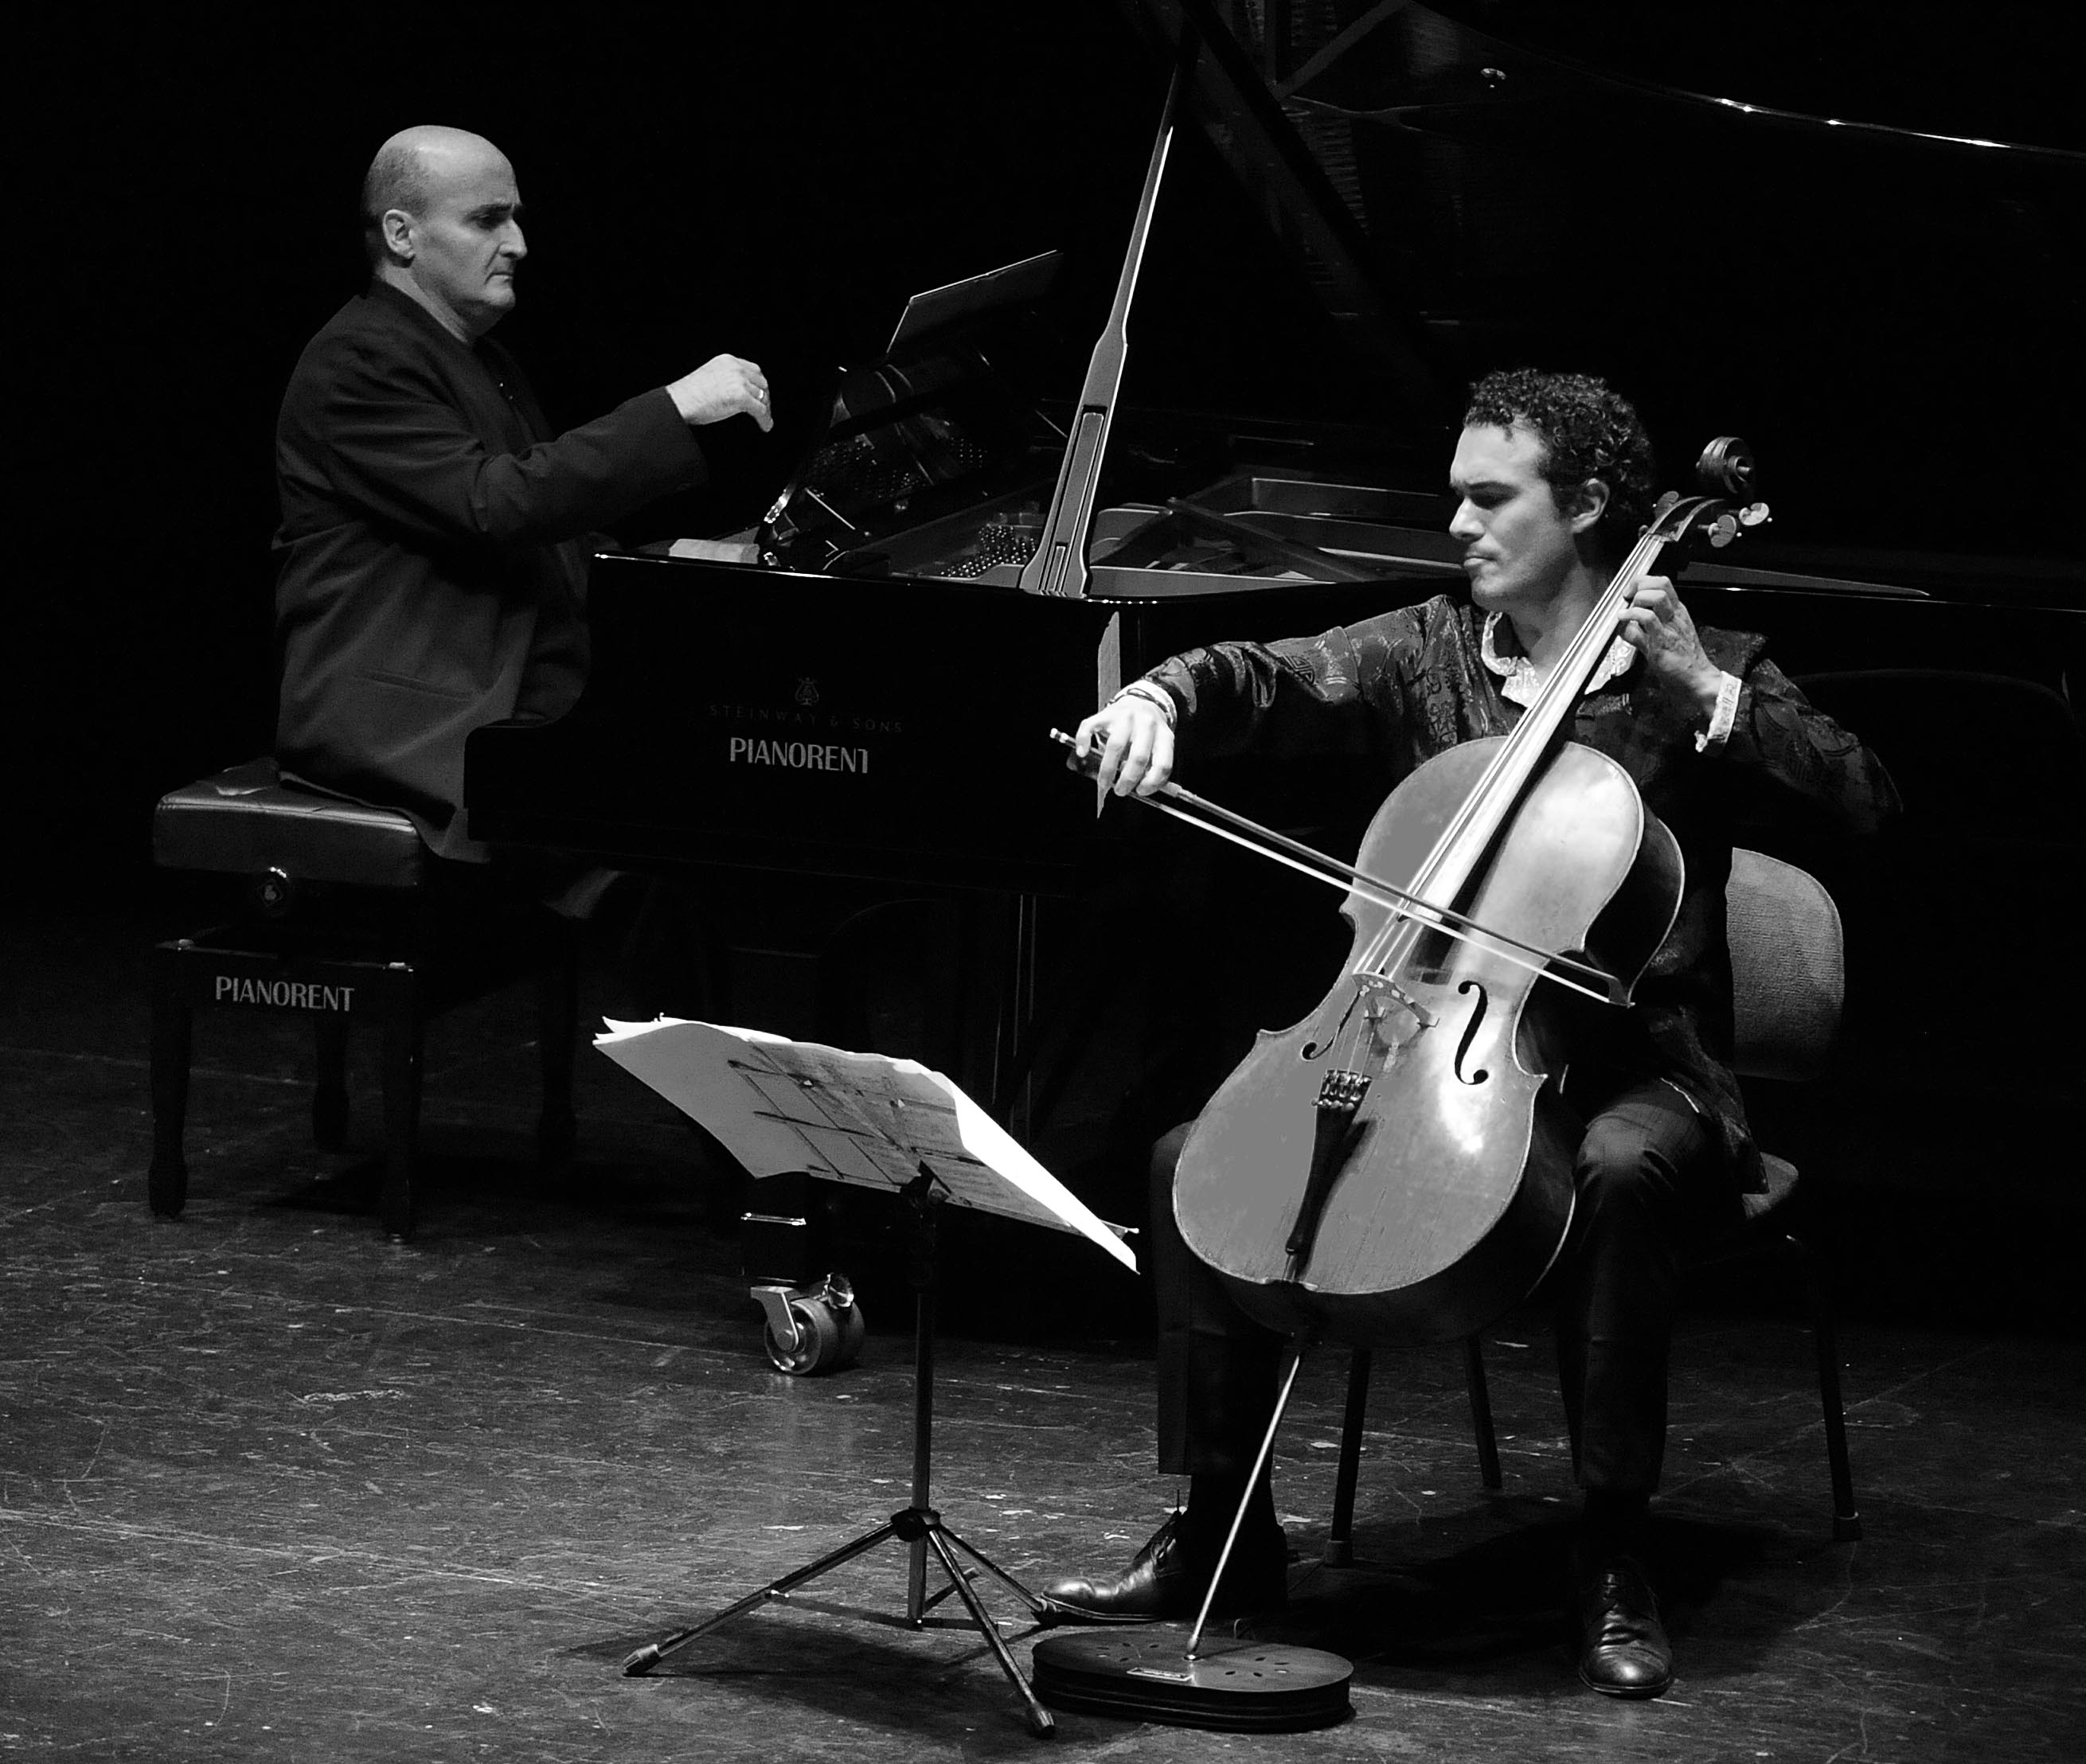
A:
[771, 179]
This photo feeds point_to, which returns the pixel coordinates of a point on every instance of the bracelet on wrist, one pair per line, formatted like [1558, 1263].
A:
[1154, 696]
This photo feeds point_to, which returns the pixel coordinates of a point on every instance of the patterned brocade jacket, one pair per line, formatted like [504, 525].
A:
[1405, 686]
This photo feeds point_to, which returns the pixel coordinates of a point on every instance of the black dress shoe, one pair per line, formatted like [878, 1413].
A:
[1624, 1651]
[1169, 1577]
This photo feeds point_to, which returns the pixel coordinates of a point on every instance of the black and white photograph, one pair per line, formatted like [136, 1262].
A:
[1187, 879]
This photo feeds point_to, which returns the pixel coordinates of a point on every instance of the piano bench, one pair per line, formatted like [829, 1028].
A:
[333, 917]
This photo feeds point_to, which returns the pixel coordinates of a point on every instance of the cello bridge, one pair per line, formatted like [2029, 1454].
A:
[1381, 991]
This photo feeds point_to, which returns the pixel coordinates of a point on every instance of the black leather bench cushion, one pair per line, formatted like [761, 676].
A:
[247, 820]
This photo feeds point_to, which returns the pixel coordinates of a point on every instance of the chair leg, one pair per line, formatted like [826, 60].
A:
[1339, 1551]
[1481, 1413]
[1824, 1333]
[167, 1183]
[557, 1027]
[402, 1118]
[330, 1097]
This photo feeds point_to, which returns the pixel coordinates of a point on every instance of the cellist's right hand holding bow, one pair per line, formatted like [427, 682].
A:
[1134, 743]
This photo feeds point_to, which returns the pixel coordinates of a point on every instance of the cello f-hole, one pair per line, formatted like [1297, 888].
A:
[1470, 1027]
[1319, 1046]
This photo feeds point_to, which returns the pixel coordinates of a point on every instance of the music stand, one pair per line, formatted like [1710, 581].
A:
[874, 1122]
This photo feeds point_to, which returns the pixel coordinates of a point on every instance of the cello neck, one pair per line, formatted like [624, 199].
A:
[1554, 705]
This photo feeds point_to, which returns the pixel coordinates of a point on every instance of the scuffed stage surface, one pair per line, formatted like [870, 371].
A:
[272, 1489]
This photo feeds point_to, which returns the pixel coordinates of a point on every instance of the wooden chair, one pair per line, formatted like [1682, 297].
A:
[1789, 973]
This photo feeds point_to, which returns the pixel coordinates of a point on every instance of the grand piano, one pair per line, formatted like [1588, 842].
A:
[849, 701]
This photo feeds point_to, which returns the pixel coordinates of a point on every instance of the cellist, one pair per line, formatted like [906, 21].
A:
[1553, 477]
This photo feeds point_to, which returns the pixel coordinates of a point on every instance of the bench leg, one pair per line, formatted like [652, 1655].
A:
[329, 1099]
[401, 1120]
[166, 1184]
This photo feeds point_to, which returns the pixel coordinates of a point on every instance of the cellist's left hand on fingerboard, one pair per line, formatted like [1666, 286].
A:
[1660, 628]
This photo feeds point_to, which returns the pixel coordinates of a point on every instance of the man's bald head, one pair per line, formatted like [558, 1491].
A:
[407, 171]
[443, 220]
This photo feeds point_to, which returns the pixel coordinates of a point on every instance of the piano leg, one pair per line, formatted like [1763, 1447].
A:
[402, 1119]
[167, 1185]
[330, 1094]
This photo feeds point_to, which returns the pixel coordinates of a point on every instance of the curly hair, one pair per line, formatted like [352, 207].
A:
[1587, 431]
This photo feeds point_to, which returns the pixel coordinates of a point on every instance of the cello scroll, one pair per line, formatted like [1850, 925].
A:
[1725, 471]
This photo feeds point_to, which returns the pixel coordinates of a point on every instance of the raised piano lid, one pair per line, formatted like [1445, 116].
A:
[1878, 298]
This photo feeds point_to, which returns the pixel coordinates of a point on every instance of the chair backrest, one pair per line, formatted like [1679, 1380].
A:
[1951, 789]
[1788, 972]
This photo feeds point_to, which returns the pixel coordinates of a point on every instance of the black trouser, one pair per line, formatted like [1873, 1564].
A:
[1652, 1187]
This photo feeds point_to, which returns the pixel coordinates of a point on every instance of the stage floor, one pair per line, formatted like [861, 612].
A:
[272, 1488]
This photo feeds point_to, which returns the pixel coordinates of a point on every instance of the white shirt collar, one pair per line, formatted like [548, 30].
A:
[1517, 673]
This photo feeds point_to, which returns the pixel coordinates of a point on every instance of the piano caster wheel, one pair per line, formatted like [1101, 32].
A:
[811, 1329]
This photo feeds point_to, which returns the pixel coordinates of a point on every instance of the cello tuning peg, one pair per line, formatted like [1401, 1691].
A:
[1723, 530]
[1754, 514]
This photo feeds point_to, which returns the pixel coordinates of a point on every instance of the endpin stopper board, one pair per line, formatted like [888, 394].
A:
[1235, 1687]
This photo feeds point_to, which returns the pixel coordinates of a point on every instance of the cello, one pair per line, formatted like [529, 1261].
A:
[1397, 1167]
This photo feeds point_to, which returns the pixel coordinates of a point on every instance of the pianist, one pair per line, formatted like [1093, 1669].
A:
[1552, 472]
[431, 562]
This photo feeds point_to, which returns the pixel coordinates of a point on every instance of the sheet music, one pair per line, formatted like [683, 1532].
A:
[778, 1106]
